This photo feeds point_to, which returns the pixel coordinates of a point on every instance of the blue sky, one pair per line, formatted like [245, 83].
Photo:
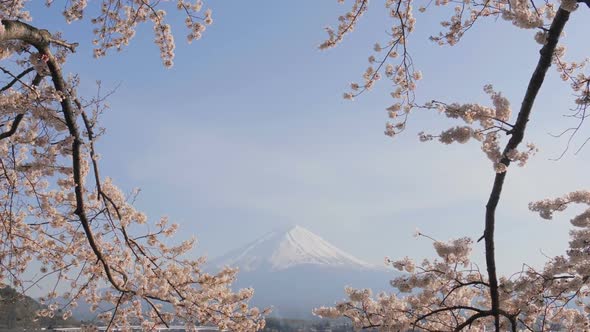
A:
[248, 131]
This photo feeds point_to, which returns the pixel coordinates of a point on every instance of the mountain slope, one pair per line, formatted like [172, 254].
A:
[294, 270]
[283, 249]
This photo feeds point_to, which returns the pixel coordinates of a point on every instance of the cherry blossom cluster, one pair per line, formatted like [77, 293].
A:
[482, 123]
[401, 73]
[63, 224]
[570, 274]
[547, 207]
[435, 295]
[15, 10]
[393, 58]
[451, 294]
[347, 23]
[117, 21]
[575, 73]
[193, 22]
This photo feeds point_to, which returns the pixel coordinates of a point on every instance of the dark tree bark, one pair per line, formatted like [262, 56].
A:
[517, 135]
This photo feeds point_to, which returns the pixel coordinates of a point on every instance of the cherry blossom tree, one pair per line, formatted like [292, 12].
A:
[451, 293]
[61, 222]
[57, 209]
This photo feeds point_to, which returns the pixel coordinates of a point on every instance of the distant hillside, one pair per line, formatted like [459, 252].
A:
[18, 311]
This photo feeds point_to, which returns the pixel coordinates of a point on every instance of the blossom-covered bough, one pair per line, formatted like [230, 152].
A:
[63, 224]
[452, 293]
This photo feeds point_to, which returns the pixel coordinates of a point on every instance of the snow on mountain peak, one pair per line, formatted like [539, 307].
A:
[282, 249]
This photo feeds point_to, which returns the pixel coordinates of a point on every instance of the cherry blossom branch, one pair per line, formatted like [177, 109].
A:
[17, 30]
[348, 23]
[516, 138]
[434, 312]
[69, 117]
[461, 284]
[41, 39]
[472, 319]
[13, 126]
[16, 78]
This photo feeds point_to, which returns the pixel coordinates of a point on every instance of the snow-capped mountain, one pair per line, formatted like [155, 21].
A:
[283, 249]
[294, 270]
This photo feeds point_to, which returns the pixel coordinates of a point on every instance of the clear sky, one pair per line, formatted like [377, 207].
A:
[249, 131]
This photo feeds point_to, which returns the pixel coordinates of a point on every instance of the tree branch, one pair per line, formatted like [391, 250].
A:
[41, 39]
[13, 126]
[16, 79]
[19, 117]
[518, 131]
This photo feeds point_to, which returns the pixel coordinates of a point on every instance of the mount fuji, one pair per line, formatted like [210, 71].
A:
[294, 270]
[291, 247]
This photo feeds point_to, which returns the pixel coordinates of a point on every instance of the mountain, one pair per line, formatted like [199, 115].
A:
[294, 270]
[290, 247]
